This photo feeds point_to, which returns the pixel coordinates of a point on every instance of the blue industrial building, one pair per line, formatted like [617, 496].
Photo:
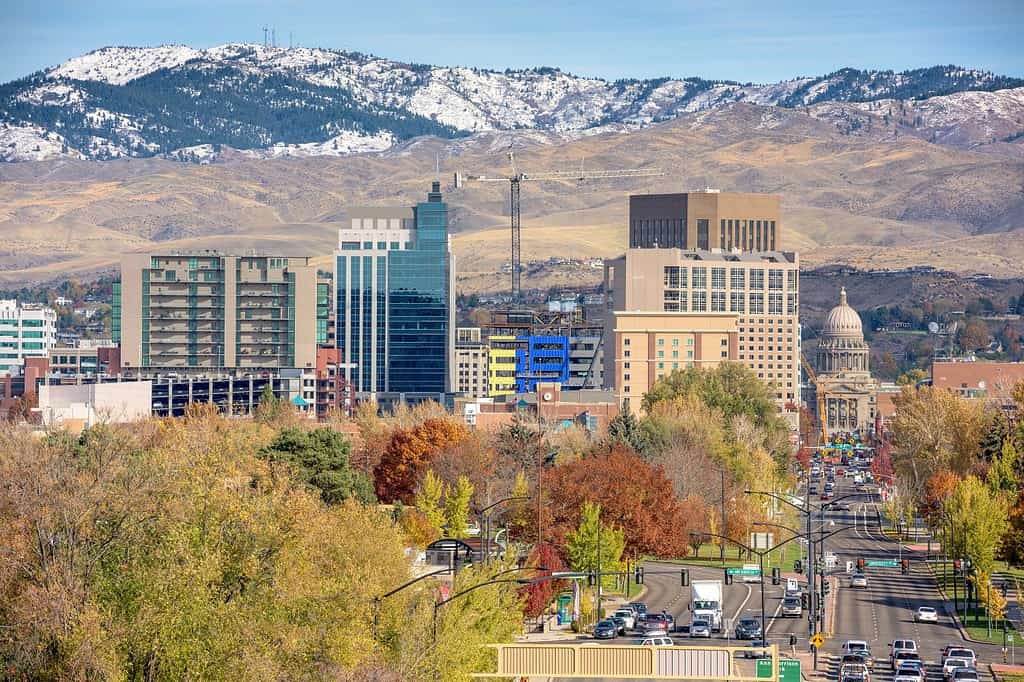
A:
[541, 358]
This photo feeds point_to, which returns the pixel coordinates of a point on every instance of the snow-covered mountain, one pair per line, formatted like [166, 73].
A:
[187, 103]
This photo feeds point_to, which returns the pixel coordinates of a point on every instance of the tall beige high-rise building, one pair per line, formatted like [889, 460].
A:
[669, 287]
[707, 219]
[471, 355]
[202, 311]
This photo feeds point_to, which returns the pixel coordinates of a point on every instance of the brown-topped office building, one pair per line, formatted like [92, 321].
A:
[704, 220]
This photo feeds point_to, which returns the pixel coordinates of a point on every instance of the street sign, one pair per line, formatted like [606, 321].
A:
[818, 640]
[882, 563]
[789, 669]
[743, 571]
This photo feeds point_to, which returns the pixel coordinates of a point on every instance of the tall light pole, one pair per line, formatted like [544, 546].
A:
[487, 523]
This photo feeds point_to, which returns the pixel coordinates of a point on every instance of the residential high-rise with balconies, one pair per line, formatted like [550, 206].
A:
[196, 312]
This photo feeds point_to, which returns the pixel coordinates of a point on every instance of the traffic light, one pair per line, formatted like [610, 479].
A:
[798, 566]
[956, 568]
[776, 576]
[684, 577]
[803, 600]
[860, 565]
[905, 566]
[826, 587]
[728, 577]
[638, 575]
[590, 579]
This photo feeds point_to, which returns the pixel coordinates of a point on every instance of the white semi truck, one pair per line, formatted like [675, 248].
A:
[706, 602]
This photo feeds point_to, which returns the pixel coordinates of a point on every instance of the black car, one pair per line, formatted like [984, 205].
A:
[620, 623]
[748, 628]
[639, 607]
[606, 629]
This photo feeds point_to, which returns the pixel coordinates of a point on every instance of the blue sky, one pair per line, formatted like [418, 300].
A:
[745, 40]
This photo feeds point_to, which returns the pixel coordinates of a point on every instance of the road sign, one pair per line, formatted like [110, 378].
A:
[743, 571]
[789, 669]
[882, 563]
[818, 640]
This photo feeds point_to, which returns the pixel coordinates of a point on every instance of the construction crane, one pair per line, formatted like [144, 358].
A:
[517, 177]
[819, 394]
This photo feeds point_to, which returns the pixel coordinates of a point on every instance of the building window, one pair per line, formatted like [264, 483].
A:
[625, 354]
[725, 353]
[625, 389]
[703, 227]
[717, 278]
[661, 342]
[757, 280]
[718, 301]
[774, 304]
[756, 304]
[700, 302]
[791, 276]
[661, 353]
[791, 304]
[737, 278]
[736, 302]
[699, 278]
[675, 277]
[775, 280]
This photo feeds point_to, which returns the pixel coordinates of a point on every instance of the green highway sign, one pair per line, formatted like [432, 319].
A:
[743, 571]
[882, 563]
[789, 669]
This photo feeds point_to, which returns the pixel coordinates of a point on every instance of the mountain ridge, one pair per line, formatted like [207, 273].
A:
[186, 103]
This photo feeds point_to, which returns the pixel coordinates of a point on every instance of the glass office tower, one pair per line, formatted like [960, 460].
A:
[393, 290]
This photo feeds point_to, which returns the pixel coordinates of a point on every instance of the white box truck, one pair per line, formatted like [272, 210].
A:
[706, 602]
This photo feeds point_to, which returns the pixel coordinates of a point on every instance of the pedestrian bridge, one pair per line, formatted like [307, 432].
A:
[631, 661]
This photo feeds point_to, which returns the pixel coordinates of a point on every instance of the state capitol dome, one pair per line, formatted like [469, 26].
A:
[842, 321]
[841, 346]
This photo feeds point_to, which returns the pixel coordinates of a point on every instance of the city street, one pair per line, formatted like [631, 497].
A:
[878, 614]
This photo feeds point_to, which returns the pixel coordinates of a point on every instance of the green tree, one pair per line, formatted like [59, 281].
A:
[581, 545]
[912, 377]
[979, 518]
[731, 387]
[1002, 476]
[429, 497]
[625, 428]
[996, 433]
[456, 507]
[321, 459]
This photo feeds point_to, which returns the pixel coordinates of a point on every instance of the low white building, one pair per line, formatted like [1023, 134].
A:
[84, 405]
[28, 330]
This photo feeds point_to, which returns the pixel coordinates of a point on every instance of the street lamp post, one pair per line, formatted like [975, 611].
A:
[493, 581]
[487, 524]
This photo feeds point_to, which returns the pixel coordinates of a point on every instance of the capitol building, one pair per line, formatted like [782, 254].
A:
[847, 391]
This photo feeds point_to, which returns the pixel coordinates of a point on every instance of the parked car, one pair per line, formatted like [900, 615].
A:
[748, 628]
[606, 629]
[926, 614]
[700, 628]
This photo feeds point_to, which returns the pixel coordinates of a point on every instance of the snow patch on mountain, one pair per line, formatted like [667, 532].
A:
[32, 143]
[119, 65]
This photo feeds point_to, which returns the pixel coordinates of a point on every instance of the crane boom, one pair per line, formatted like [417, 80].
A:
[819, 395]
[516, 179]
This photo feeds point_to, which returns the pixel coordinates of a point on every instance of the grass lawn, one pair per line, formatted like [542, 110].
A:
[975, 623]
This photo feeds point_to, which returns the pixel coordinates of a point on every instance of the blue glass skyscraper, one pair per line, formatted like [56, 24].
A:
[393, 288]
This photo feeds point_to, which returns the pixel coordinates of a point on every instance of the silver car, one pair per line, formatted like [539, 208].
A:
[700, 628]
[859, 580]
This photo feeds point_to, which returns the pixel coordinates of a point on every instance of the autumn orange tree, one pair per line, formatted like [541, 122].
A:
[627, 488]
[408, 455]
